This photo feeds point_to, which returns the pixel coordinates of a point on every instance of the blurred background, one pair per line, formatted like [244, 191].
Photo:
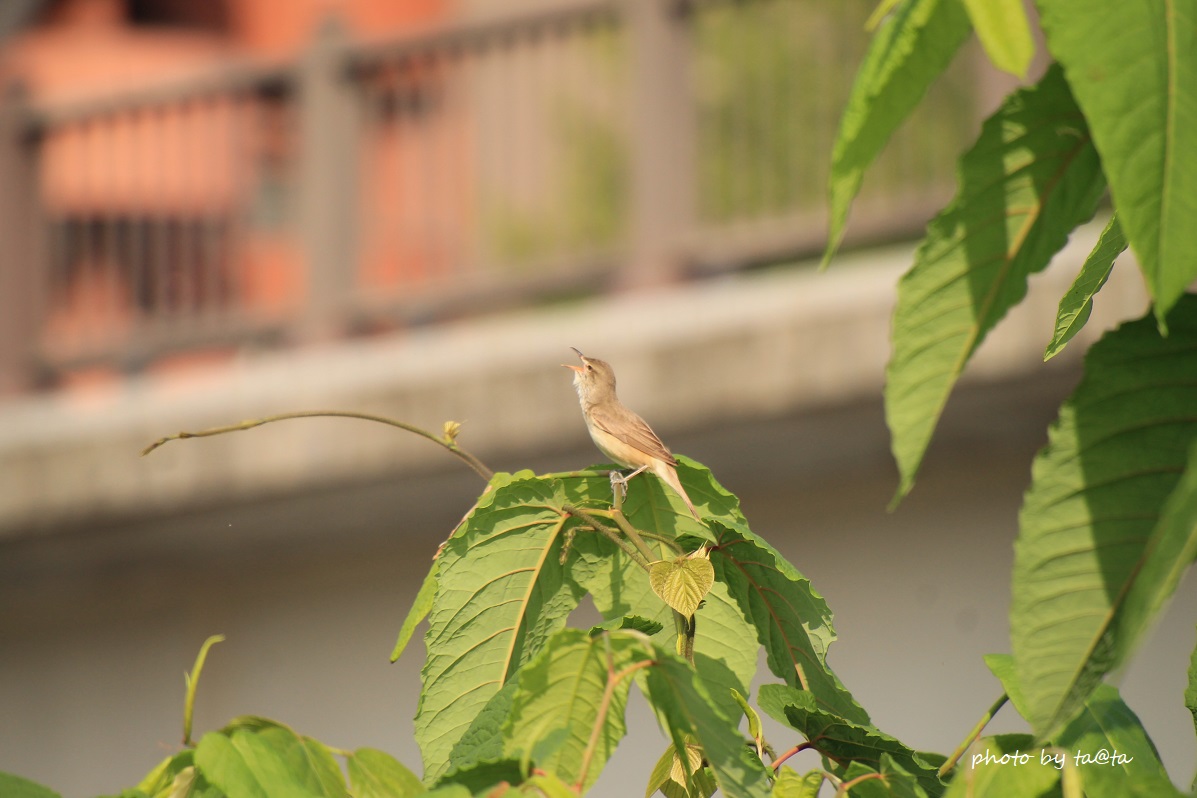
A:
[215, 210]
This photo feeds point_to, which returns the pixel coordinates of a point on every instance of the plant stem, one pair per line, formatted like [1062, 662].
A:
[634, 536]
[592, 522]
[445, 441]
[848, 785]
[777, 763]
[613, 680]
[193, 683]
[947, 766]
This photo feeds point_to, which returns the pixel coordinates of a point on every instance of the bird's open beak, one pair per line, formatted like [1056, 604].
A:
[575, 368]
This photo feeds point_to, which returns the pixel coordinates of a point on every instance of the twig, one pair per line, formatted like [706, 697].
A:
[445, 441]
[592, 522]
[951, 761]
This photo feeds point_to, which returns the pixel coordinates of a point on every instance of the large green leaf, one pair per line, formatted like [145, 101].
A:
[912, 47]
[1005, 33]
[895, 781]
[684, 700]
[791, 620]
[17, 787]
[1108, 522]
[840, 740]
[376, 774]
[1032, 177]
[576, 690]
[1077, 304]
[1106, 724]
[422, 604]
[501, 591]
[725, 649]
[258, 758]
[1169, 553]
[1120, 753]
[791, 785]
[1133, 70]
[418, 612]
[1191, 697]
[483, 741]
[1004, 766]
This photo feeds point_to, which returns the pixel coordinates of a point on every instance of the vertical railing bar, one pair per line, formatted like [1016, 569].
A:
[139, 203]
[406, 238]
[159, 264]
[108, 222]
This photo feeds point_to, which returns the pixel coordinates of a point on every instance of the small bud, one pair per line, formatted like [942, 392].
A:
[451, 429]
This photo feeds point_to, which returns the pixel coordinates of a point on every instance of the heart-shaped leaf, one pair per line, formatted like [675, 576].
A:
[682, 583]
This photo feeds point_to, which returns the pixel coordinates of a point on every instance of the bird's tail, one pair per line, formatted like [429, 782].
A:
[669, 475]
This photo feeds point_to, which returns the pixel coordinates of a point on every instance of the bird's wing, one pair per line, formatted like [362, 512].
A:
[632, 430]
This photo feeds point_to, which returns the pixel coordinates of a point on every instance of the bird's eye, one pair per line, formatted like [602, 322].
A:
[589, 367]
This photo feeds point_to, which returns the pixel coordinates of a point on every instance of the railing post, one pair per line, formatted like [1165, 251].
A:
[663, 158]
[22, 273]
[328, 191]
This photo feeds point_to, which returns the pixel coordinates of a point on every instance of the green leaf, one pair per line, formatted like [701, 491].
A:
[633, 622]
[791, 620]
[651, 505]
[1002, 666]
[1002, 766]
[895, 781]
[1005, 33]
[755, 731]
[1032, 177]
[725, 650]
[450, 791]
[841, 740]
[914, 44]
[481, 777]
[418, 612]
[375, 774]
[691, 713]
[483, 740]
[258, 757]
[16, 787]
[682, 583]
[1170, 551]
[576, 686]
[547, 786]
[1191, 693]
[1110, 509]
[171, 775]
[501, 592]
[1108, 727]
[1077, 304]
[790, 785]
[669, 775]
[192, 683]
[1133, 71]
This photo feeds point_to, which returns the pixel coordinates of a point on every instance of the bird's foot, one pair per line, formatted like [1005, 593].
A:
[619, 482]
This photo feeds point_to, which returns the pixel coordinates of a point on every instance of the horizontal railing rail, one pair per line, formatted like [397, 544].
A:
[473, 164]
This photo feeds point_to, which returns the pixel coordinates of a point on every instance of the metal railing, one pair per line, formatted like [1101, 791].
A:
[483, 163]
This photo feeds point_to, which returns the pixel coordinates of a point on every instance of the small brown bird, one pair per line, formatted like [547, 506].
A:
[618, 432]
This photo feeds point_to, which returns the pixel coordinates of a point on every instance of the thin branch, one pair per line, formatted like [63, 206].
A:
[613, 680]
[592, 522]
[777, 763]
[848, 785]
[618, 517]
[446, 440]
[951, 761]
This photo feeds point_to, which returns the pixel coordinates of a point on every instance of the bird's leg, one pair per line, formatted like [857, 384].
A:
[619, 482]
